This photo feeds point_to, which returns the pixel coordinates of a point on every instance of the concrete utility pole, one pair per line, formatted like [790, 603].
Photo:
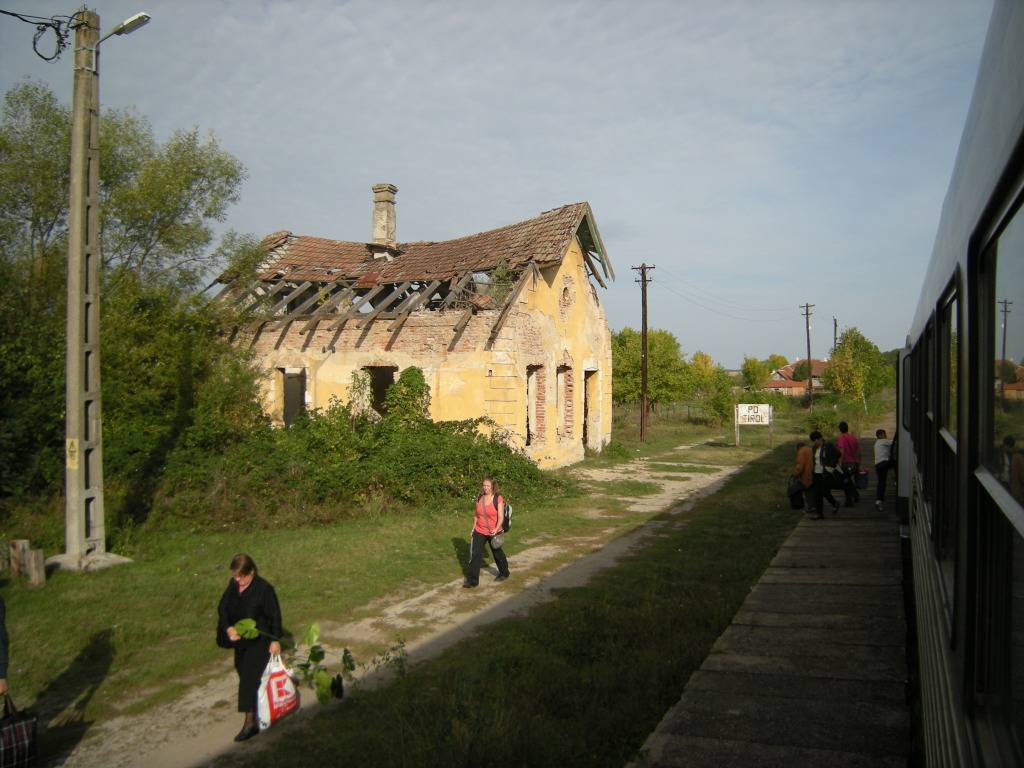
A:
[1002, 357]
[835, 334]
[810, 369]
[85, 528]
[644, 280]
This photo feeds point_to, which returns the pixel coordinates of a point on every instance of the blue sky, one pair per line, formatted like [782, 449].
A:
[760, 154]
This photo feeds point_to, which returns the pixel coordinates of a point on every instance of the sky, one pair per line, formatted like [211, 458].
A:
[761, 155]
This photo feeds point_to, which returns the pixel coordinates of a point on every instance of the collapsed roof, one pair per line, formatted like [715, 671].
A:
[316, 279]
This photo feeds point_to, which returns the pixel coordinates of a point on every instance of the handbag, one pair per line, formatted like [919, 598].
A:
[278, 695]
[17, 736]
[794, 486]
[862, 479]
[497, 541]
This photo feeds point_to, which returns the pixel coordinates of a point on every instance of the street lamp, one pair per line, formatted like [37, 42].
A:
[85, 530]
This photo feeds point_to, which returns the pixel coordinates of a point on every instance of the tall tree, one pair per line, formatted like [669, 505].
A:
[755, 372]
[159, 203]
[774, 362]
[857, 369]
[667, 379]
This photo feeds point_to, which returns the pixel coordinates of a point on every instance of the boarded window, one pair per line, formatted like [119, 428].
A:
[534, 404]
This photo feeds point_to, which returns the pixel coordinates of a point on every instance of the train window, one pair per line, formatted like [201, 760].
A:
[950, 361]
[1006, 457]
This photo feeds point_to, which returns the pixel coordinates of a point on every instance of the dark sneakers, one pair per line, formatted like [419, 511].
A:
[468, 585]
[501, 576]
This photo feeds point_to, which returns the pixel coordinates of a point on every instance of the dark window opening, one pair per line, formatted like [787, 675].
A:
[293, 387]
[381, 379]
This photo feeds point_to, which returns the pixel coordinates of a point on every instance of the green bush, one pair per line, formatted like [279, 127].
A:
[334, 463]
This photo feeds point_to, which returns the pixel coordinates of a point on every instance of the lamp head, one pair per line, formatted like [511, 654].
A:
[129, 25]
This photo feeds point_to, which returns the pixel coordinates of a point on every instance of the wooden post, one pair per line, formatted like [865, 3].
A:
[35, 568]
[19, 549]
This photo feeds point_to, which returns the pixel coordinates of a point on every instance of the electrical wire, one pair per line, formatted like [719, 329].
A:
[692, 300]
[61, 27]
[711, 296]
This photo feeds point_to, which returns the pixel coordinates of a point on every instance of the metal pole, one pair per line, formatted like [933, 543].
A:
[84, 524]
[736, 423]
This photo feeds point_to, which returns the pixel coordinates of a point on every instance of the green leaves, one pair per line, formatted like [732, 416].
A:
[312, 672]
[246, 628]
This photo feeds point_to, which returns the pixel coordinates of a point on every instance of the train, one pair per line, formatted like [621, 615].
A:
[960, 435]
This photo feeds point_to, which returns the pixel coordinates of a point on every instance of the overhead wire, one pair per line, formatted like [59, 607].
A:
[715, 310]
[711, 296]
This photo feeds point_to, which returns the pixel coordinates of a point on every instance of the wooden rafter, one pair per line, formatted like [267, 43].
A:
[507, 306]
[354, 309]
[593, 270]
[299, 310]
[371, 316]
[327, 307]
[410, 304]
[290, 297]
[456, 290]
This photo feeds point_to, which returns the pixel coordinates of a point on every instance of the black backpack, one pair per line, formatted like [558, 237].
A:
[506, 520]
[829, 455]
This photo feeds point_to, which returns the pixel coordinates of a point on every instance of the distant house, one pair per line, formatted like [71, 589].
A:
[1015, 390]
[782, 380]
[505, 324]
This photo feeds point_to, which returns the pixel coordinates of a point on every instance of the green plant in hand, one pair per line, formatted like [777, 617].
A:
[311, 669]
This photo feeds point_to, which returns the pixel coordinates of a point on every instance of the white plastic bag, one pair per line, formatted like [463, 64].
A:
[278, 695]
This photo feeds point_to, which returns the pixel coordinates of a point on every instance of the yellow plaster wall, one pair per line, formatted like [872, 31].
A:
[467, 380]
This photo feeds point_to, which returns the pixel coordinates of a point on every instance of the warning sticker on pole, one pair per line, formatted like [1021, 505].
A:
[759, 413]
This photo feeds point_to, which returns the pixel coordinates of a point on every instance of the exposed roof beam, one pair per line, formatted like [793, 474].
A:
[593, 269]
[371, 316]
[327, 307]
[509, 301]
[455, 291]
[297, 312]
[411, 303]
[354, 309]
[290, 297]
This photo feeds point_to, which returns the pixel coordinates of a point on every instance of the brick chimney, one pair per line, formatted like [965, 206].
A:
[384, 214]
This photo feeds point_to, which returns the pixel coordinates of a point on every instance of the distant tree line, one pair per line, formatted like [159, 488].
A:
[671, 378]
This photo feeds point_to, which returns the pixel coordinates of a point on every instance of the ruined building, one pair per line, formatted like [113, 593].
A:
[505, 324]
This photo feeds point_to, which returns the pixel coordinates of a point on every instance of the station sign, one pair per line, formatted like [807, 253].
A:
[753, 414]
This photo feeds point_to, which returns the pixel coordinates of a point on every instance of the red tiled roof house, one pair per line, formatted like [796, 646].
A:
[505, 324]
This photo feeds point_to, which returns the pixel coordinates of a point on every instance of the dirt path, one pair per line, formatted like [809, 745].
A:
[197, 727]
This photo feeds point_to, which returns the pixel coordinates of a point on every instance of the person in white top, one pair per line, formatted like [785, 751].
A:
[883, 463]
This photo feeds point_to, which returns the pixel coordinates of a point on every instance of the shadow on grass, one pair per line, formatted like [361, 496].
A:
[62, 704]
[627, 637]
[461, 547]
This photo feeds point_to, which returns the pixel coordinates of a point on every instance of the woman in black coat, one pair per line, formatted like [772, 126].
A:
[249, 597]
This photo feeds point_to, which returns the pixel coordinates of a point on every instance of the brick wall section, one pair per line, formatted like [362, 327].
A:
[570, 392]
[542, 407]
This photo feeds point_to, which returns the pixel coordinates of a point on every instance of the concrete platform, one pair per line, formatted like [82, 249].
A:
[812, 670]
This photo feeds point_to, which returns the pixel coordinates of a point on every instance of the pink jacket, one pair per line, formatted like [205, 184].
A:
[849, 449]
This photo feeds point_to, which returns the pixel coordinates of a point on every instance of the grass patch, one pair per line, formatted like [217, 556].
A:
[580, 681]
[627, 487]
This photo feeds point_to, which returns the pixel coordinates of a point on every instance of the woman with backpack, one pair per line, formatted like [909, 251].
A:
[487, 524]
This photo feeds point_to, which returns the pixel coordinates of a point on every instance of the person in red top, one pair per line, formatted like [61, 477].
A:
[849, 460]
[490, 512]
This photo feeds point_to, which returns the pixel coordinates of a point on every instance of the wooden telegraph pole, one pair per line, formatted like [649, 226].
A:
[644, 280]
[1002, 357]
[810, 378]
